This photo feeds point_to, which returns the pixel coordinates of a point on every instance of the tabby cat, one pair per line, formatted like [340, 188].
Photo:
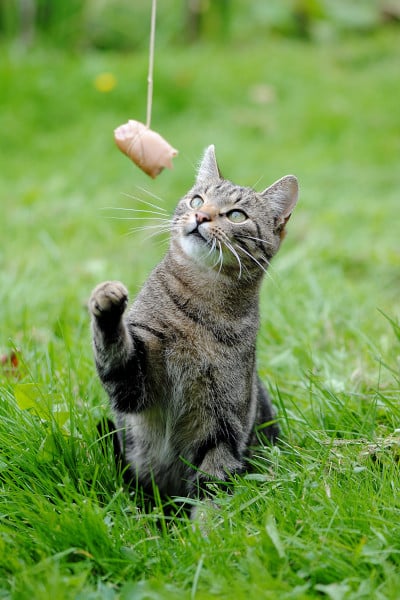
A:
[179, 365]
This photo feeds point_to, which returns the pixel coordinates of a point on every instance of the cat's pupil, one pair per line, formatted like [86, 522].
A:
[236, 216]
[196, 202]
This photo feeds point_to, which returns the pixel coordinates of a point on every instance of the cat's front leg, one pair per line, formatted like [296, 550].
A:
[118, 359]
[107, 304]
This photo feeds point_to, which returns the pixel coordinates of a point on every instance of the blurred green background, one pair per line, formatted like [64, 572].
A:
[120, 24]
[309, 87]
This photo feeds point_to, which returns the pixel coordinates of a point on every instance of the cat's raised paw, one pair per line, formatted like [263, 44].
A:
[108, 299]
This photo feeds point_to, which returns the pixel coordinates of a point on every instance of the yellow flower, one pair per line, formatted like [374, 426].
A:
[105, 82]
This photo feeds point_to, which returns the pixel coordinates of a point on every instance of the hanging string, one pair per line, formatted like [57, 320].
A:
[146, 148]
[151, 62]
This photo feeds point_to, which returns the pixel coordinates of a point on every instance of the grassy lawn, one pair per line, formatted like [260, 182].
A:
[320, 515]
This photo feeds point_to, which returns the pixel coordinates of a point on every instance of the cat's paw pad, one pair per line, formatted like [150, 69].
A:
[108, 299]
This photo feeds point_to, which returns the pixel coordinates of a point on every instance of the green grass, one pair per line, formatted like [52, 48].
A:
[319, 517]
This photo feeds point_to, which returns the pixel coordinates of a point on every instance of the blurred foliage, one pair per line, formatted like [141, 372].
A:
[123, 25]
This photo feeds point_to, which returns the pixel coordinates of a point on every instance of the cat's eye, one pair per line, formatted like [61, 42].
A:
[196, 202]
[236, 216]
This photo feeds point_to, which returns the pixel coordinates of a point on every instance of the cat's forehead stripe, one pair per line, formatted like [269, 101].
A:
[226, 190]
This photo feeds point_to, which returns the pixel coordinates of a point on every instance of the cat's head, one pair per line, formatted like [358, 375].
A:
[229, 228]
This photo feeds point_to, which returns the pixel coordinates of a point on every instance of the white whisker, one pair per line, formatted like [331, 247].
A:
[257, 182]
[165, 220]
[253, 258]
[159, 231]
[220, 257]
[159, 227]
[132, 197]
[151, 194]
[262, 258]
[212, 248]
[235, 254]
[134, 218]
[250, 237]
[162, 240]
[137, 210]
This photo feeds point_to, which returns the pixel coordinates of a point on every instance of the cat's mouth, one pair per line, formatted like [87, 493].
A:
[197, 243]
[196, 233]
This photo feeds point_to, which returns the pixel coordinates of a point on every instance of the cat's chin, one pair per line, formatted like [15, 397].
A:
[216, 262]
[195, 247]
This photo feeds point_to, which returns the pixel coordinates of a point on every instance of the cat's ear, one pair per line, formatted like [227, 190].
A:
[208, 170]
[282, 195]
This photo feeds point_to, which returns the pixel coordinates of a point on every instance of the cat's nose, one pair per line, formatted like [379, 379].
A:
[202, 217]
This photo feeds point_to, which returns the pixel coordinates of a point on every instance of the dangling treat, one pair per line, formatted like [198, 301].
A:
[146, 148]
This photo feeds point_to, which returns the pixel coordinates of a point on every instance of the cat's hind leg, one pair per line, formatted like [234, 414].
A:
[218, 464]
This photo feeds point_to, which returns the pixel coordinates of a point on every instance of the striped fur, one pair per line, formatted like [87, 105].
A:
[179, 365]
